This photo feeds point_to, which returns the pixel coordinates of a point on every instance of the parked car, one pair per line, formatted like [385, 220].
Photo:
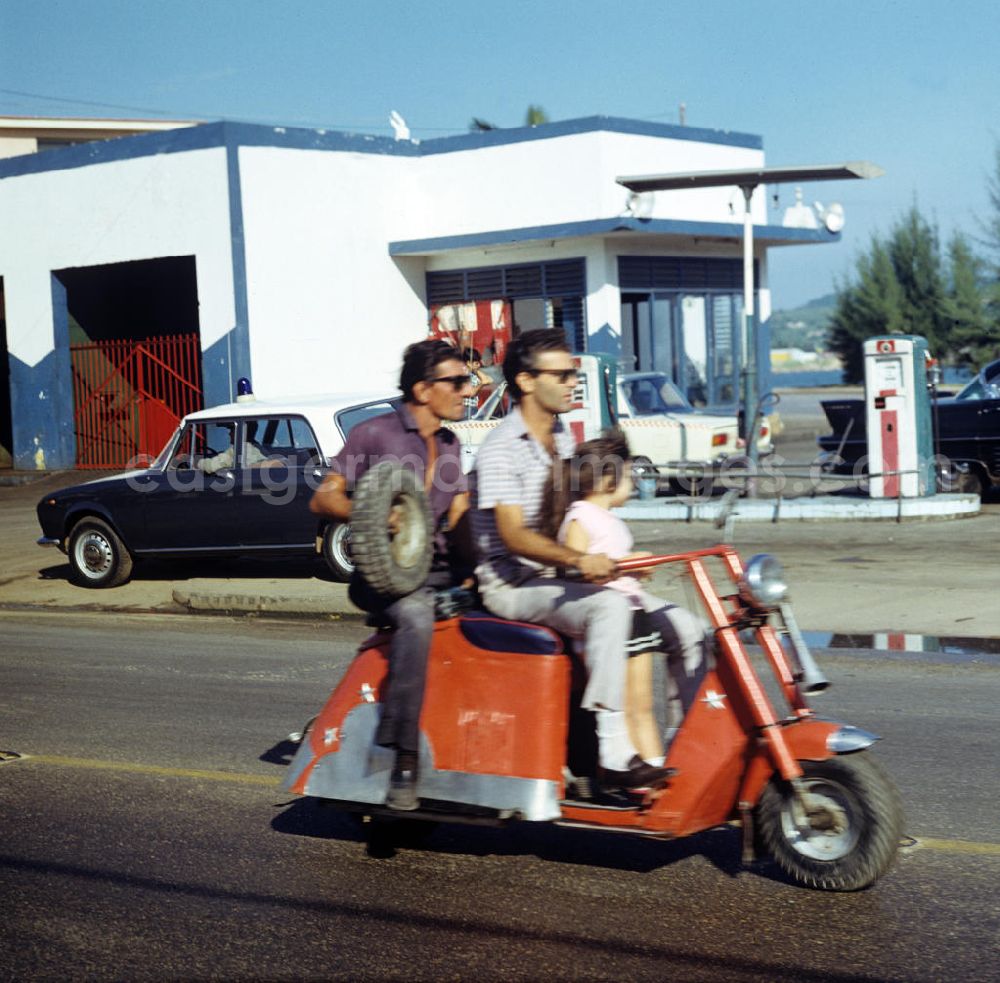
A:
[233, 480]
[967, 428]
[668, 436]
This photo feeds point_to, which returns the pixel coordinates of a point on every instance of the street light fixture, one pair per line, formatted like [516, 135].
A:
[747, 181]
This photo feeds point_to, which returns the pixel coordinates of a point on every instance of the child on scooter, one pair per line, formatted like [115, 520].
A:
[579, 499]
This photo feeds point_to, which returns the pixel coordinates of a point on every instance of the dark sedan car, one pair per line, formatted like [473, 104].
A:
[233, 480]
[967, 428]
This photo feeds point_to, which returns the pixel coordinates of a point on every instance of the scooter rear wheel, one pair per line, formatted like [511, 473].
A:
[853, 827]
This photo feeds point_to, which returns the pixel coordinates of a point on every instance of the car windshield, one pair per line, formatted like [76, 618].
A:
[348, 419]
[651, 394]
[986, 384]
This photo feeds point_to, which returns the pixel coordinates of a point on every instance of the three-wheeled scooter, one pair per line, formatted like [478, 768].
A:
[498, 728]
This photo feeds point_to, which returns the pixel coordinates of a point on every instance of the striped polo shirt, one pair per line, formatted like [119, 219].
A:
[511, 469]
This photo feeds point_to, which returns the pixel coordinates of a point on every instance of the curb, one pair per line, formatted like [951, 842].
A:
[202, 602]
[819, 507]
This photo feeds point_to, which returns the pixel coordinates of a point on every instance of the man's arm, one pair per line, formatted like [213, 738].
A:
[459, 506]
[532, 545]
[330, 499]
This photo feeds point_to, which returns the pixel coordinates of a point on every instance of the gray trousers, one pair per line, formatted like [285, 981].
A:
[598, 616]
[412, 617]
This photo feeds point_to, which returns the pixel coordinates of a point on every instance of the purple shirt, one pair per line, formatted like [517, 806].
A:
[394, 437]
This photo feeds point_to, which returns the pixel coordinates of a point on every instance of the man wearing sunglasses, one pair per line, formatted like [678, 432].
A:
[516, 558]
[435, 383]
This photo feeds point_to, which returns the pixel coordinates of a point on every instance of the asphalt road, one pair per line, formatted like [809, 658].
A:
[145, 836]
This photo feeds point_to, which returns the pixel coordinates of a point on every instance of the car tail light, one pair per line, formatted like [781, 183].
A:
[720, 439]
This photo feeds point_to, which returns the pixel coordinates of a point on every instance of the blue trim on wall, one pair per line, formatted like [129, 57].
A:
[227, 134]
[218, 368]
[763, 234]
[216, 378]
[41, 400]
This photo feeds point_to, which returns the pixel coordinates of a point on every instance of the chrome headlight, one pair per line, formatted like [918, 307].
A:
[763, 582]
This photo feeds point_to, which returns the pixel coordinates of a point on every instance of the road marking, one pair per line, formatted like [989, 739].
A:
[958, 846]
[969, 847]
[235, 777]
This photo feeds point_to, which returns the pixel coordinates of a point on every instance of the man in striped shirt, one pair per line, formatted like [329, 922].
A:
[515, 559]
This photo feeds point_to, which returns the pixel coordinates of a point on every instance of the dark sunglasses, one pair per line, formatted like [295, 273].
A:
[457, 381]
[563, 375]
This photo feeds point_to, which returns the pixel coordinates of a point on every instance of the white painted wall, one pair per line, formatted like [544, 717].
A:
[329, 309]
[160, 205]
[567, 179]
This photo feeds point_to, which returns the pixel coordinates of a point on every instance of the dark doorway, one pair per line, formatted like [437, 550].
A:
[6, 422]
[135, 356]
[132, 301]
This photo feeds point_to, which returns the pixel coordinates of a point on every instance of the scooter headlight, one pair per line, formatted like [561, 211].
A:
[763, 582]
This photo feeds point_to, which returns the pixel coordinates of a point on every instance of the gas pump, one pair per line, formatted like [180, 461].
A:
[898, 417]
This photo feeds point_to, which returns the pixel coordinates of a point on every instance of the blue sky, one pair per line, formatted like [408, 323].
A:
[913, 85]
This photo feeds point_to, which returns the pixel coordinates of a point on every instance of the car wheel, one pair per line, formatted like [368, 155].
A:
[97, 556]
[337, 550]
[695, 486]
[967, 481]
[392, 564]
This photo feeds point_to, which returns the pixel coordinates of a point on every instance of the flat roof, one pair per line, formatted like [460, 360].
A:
[625, 227]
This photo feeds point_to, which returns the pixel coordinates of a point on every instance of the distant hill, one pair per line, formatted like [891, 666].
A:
[803, 327]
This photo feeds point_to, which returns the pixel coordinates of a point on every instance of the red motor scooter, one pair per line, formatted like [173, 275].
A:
[496, 737]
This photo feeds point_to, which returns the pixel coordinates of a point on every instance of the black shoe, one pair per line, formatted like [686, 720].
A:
[640, 774]
[402, 793]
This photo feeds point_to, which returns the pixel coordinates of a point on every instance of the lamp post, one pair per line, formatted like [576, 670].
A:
[747, 181]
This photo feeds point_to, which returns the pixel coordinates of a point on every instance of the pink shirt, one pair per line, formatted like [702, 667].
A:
[607, 534]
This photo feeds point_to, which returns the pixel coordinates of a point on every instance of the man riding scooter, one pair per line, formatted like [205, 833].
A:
[435, 383]
[510, 473]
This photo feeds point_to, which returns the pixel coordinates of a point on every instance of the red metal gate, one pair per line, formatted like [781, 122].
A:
[129, 396]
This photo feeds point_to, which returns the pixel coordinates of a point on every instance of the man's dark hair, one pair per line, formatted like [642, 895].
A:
[419, 361]
[522, 354]
[471, 355]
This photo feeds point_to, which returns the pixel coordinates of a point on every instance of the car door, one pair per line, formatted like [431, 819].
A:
[279, 467]
[187, 505]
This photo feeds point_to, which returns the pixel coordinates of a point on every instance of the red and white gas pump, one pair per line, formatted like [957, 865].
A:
[898, 417]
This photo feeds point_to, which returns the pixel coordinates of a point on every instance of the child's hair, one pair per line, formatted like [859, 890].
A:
[576, 477]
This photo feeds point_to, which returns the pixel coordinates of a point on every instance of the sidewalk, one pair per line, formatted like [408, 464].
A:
[929, 576]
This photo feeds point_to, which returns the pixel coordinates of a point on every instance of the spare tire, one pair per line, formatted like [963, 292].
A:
[393, 565]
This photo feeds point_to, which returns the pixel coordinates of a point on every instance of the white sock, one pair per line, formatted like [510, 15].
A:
[614, 748]
[658, 762]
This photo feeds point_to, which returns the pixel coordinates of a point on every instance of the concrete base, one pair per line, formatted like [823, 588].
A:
[826, 507]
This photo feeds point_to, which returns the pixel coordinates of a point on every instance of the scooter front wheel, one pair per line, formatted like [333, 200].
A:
[846, 833]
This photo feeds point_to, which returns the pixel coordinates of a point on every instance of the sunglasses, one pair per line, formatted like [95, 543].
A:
[562, 375]
[458, 381]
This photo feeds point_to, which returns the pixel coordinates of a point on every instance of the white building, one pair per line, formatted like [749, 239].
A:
[306, 260]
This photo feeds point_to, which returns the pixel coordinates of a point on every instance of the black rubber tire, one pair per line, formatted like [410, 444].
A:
[337, 550]
[392, 565]
[694, 486]
[97, 556]
[855, 794]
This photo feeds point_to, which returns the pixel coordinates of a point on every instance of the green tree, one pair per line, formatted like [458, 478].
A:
[916, 260]
[974, 338]
[990, 239]
[871, 305]
[535, 116]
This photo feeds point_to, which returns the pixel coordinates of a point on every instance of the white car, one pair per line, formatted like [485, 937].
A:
[668, 437]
